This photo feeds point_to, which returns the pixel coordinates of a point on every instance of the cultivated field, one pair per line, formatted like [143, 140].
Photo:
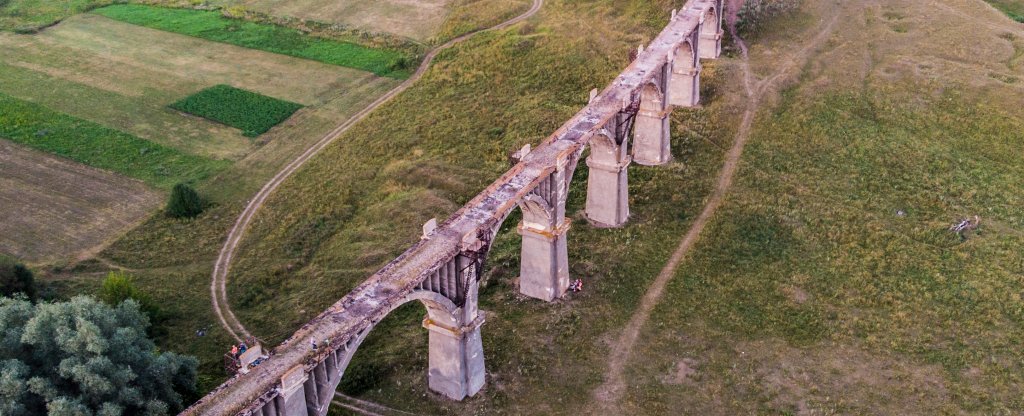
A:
[124, 76]
[51, 207]
[417, 19]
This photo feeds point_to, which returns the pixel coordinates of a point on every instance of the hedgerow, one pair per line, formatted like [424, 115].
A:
[33, 125]
[250, 112]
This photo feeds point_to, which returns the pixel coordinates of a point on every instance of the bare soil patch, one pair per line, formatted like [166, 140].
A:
[51, 207]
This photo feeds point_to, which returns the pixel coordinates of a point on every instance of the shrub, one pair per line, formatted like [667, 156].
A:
[119, 286]
[16, 278]
[253, 113]
[184, 202]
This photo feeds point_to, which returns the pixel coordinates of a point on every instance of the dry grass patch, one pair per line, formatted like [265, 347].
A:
[53, 208]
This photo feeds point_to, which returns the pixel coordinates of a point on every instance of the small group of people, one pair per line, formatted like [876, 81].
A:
[238, 350]
[576, 285]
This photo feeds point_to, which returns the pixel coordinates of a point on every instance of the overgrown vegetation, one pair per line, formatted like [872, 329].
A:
[36, 126]
[250, 112]
[16, 279]
[755, 15]
[83, 357]
[213, 26]
[184, 202]
[29, 16]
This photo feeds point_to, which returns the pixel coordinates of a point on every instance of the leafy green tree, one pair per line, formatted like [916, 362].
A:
[83, 357]
[184, 202]
[16, 278]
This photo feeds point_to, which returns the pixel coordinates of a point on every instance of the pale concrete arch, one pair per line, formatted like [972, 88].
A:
[455, 350]
[607, 183]
[651, 145]
[684, 81]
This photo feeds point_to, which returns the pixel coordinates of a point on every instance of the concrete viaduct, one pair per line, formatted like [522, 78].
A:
[443, 268]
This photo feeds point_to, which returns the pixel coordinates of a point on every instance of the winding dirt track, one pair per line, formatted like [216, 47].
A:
[608, 395]
[218, 281]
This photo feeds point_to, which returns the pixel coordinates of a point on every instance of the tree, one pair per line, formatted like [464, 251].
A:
[184, 202]
[16, 278]
[83, 357]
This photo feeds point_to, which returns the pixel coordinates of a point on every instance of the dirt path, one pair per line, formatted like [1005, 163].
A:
[218, 281]
[608, 395]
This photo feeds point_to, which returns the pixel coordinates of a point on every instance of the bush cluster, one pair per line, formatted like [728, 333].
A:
[184, 202]
[250, 112]
[755, 14]
[15, 278]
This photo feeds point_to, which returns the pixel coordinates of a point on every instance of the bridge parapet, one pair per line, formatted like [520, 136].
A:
[442, 270]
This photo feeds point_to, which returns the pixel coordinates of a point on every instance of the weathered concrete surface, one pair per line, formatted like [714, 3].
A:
[442, 269]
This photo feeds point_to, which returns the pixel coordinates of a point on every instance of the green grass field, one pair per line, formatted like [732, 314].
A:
[1012, 8]
[213, 26]
[253, 113]
[92, 144]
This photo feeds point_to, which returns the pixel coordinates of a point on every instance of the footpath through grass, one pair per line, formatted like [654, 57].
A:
[253, 113]
[89, 143]
[211, 25]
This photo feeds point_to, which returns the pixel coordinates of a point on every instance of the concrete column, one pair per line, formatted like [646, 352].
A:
[544, 263]
[651, 138]
[456, 359]
[710, 44]
[607, 183]
[684, 84]
[293, 396]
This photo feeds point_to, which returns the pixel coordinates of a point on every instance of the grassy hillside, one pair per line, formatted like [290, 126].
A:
[809, 292]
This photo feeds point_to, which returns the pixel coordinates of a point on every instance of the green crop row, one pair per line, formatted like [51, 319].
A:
[89, 143]
[250, 112]
[213, 26]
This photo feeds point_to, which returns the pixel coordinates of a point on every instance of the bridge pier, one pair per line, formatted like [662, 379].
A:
[456, 359]
[711, 31]
[651, 138]
[544, 260]
[292, 399]
[607, 182]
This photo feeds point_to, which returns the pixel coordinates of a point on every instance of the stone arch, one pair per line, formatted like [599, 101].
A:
[441, 313]
[711, 22]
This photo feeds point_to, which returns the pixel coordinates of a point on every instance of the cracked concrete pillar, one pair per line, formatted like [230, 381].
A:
[684, 82]
[607, 183]
[651, 139]
[292, 399]
[456, 358]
